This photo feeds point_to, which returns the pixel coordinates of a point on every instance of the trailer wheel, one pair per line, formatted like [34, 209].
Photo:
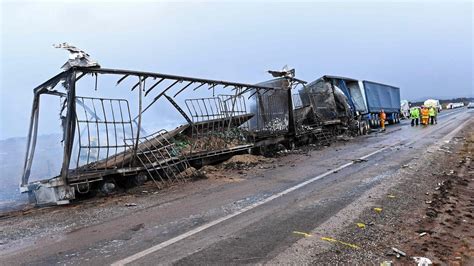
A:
[373, 123]
[363, 128]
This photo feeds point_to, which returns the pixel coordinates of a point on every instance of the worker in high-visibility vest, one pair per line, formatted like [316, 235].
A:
[425, 115]
[414, 115]
[382, 117]
[433, 114]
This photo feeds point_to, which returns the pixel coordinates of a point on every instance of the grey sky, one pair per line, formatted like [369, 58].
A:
[424, 48]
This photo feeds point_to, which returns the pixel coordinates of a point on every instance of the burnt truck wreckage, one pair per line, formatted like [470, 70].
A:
[105, 142]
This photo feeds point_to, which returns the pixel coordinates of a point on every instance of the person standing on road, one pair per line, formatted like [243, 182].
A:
[382, 117]
[425, 115]
[414, 115]
[433, 114]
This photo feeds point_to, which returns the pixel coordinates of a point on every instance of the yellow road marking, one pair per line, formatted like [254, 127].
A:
[361, 225]
[329, 239]
[302, 233]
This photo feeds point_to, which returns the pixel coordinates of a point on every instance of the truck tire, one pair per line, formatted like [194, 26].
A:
[372, 122]
[365, 129]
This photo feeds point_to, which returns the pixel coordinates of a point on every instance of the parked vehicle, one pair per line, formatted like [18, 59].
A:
[434, 103]
[404, 109]
[454, 105]
[381, 97]
[470, 105]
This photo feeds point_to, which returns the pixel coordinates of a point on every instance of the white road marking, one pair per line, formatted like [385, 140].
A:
[203, 227]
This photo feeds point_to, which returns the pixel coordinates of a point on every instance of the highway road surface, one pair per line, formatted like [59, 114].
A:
[251, 220]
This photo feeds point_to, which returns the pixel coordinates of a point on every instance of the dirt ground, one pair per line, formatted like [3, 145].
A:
[429, 214]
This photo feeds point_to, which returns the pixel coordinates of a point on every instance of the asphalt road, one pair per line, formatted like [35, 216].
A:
[250, 221]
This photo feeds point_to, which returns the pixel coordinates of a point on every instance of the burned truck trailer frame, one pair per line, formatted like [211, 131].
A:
[104, 145]
[101, 138]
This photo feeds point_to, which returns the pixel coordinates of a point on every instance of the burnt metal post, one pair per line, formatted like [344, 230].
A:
[139, 124]
[70, 124]
[31, 144]
[291, 115]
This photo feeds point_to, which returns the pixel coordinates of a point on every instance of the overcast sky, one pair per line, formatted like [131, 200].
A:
[424, 48]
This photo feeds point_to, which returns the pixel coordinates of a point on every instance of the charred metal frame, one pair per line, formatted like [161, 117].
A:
[71, 76]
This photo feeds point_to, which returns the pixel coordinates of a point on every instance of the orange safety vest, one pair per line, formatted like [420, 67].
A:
[425, 113]
[382, 116]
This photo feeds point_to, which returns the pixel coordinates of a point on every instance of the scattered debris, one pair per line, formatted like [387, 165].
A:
[399, 252]
[344, 138]
[443, 150]
[359, 160]
[243, 161]
[431, 213]
[130, 204]
[137, 227]
[422, 261]
[77, 57]
[390, 196]
[422, 234]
